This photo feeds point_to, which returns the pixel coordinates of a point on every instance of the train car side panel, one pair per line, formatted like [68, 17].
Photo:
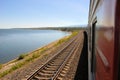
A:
[104, 47]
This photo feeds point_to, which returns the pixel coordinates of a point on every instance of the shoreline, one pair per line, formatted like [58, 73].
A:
[7, 66]
[41, 54]
[28, 53]
[26, 42]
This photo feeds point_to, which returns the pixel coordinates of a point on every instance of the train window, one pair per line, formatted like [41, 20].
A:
[93, 59]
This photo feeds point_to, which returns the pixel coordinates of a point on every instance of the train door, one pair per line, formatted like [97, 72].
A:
[93, 59]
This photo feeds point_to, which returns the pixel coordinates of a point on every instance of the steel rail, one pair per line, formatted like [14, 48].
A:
[52, 58]
[64, 63]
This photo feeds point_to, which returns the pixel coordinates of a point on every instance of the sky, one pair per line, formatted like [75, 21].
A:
[43, 13]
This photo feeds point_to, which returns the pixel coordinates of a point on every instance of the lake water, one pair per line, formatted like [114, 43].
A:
[14, 42]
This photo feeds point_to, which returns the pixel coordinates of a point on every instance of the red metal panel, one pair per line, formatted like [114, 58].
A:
[105, 40]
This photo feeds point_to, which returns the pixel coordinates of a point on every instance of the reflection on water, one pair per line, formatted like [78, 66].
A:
[13, 42]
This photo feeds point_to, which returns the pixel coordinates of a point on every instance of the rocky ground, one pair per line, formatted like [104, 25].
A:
[74, 63]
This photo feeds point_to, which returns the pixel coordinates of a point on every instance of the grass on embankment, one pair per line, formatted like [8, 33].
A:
[67, 38]
[0, 66]
[24, 59]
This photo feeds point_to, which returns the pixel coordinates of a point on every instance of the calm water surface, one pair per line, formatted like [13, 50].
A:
[14, 42]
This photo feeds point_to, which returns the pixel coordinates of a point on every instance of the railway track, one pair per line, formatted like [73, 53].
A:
[56, 67]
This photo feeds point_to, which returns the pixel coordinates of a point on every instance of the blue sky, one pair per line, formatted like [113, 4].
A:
[43, 13]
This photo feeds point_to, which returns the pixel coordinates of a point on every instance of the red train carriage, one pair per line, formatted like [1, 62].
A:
[104, 40]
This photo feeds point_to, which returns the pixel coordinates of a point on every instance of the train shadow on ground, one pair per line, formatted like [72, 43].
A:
[82, 68]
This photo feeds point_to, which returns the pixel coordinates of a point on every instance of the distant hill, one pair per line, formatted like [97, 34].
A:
[56, 28]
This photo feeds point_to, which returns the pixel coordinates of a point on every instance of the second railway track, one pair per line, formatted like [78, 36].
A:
[57, 66]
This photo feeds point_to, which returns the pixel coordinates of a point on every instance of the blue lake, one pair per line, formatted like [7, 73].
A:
[14, 42]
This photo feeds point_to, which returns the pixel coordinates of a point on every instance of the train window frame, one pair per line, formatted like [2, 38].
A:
[117, 24]
[118, 4]
[119, 50]
[93, 54]
[119, 58]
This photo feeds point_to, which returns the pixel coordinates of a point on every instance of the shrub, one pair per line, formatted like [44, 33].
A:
[14, 67]
[35, 56]
[4, 73]
[43, 50]
[22, 56]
